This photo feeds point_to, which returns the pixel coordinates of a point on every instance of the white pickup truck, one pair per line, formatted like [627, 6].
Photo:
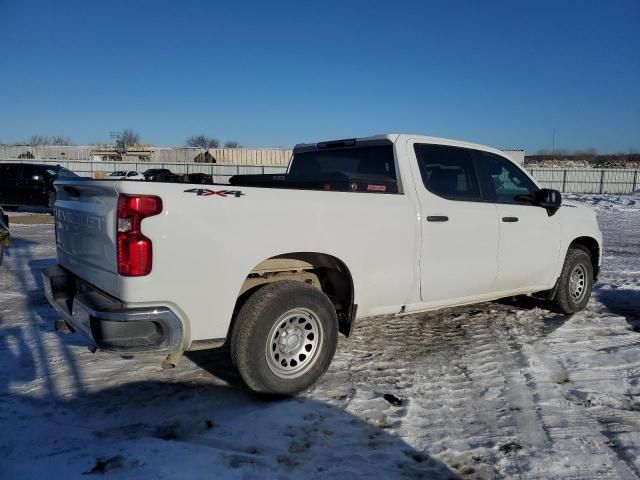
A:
[277, 265]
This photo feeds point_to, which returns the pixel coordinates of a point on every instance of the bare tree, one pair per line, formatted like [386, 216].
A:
[60, 140]
[232, 144]
[37, 140]
[197, 141]
[129, 137]
[202, 141]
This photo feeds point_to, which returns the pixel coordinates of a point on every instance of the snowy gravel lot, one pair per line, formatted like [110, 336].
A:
[499, 390]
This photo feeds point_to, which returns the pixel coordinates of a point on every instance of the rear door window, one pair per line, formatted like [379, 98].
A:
[448, 172]
[9, 173]
[28, 172]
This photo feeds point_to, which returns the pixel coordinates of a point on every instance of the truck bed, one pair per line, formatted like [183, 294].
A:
[208, 238]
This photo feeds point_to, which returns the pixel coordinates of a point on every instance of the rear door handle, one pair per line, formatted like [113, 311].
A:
[437, 218]
[509, 219]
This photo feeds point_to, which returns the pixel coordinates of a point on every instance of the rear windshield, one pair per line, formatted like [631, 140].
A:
[60, 172]
[365, 168]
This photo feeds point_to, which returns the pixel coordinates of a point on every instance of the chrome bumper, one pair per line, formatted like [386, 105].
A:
[106, 322]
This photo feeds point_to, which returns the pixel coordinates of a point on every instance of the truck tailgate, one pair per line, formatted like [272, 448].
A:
[85, 216]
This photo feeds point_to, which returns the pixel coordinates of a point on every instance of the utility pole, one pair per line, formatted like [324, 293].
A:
[117, 136]
[554, 143]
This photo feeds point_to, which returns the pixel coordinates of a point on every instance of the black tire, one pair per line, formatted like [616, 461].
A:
[566, 299]
[271, 309]
[1, 253]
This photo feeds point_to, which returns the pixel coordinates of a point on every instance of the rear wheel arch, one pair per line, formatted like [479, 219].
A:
[326, 272]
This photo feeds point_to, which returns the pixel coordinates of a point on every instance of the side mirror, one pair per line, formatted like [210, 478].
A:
[549, 199]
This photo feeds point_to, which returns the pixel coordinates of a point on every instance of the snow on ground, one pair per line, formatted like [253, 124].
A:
[499, 390]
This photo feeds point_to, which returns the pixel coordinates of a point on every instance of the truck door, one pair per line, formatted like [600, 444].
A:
[459, 248]
[29, 186]
[529, 248]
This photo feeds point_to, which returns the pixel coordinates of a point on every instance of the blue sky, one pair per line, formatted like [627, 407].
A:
[503, 73]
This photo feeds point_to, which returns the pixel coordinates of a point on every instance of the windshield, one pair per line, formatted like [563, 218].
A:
[61, 172]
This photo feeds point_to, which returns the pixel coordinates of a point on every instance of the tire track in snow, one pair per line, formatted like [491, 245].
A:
[484, 389]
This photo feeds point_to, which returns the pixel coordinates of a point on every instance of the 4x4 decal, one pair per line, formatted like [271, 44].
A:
[205, 192]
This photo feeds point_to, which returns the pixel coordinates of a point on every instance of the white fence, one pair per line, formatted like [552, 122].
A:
[588, 180]
[46, 152]
[570, 180]
[233, 156]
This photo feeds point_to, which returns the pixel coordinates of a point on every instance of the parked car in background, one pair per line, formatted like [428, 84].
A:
[151, 173]
[169, 178]
[204, 178]
[30, 184]
[125, 175]
[5, 237]
[277, 265]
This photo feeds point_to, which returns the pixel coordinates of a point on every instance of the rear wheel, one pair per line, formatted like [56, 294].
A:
[575, 283]
[284, 338]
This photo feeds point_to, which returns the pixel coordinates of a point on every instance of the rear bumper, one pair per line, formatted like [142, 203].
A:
[106, 322]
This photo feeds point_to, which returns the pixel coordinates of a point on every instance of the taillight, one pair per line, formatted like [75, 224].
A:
[134, 249]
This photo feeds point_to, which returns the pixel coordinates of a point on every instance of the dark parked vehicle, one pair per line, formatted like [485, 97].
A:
[151, 173]
[167, 176]
[5, 238]
[30, 184]
[203, 178]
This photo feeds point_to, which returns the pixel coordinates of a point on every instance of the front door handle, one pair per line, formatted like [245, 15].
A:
[437, 218]
[509, 219]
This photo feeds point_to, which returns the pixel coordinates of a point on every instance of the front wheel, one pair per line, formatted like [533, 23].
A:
[575, 283]
[284, 338]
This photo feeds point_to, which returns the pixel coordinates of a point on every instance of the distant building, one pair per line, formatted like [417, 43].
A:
[113, 155]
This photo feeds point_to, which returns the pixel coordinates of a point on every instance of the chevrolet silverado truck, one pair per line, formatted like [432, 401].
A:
[276, 266]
